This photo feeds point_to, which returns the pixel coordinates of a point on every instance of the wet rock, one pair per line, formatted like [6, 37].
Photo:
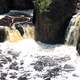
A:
[20, 19]
[9, 20]
[78, 6]
[20, 29]
[6, 21]
[78, 46]
[3, 6]
[56, 15]
[3, 34]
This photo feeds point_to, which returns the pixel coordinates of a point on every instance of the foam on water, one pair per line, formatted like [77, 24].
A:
[29, 49]
[28, 45]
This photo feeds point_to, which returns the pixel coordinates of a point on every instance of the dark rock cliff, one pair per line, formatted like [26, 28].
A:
[6, 5]
[51, 24]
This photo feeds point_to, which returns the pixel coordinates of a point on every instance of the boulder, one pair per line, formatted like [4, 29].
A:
[10, 20]
[78, 6]
[6, 21]
[78, 46]
[3, 34]
[51, 19]
[20, 29]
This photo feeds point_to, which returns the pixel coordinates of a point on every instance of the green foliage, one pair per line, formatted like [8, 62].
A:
[43, 5]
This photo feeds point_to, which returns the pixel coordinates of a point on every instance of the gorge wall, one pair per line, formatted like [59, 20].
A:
[50, 25]
[53, 18]
[6, 5]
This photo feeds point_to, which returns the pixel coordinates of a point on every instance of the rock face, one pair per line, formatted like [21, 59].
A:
[6, 5]
[78, 47]
[50, 22]
[3, 34]
[22, 4]
[10, 20]
[78, 6]
[3, 6]
[20, 29]
[6, 21]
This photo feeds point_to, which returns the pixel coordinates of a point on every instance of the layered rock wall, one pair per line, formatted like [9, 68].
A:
[6, 5]
[52, 19]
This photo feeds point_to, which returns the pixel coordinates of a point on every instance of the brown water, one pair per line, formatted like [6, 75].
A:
[13, 35]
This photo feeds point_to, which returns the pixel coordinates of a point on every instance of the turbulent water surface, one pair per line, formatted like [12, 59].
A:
[30, 60]
[23, 58]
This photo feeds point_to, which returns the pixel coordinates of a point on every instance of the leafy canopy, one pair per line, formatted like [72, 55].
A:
[43, 5]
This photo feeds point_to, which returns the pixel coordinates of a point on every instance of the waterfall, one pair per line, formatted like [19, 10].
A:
[15, 35]
[72, 33]
[17, 25]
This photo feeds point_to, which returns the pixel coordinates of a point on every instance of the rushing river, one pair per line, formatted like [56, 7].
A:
[31, 60]
[22, 58]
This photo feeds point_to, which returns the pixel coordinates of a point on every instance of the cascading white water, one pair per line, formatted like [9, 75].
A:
[73, 30]
[15, 36]
[38, 61]
[21, 25]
